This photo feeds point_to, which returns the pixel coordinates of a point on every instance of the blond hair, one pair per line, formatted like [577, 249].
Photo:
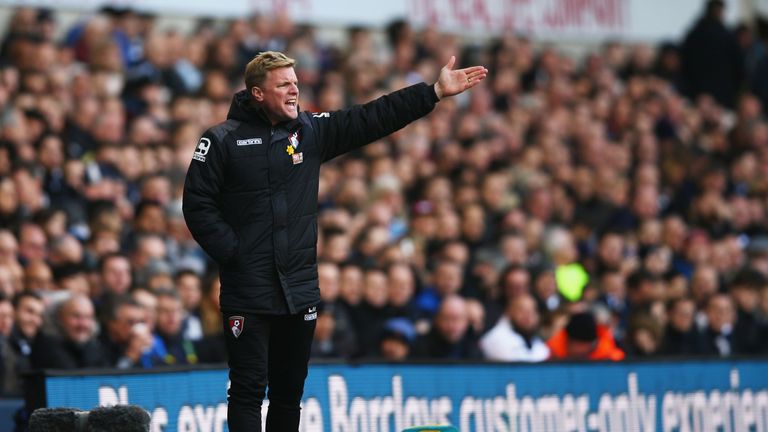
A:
[257, 69]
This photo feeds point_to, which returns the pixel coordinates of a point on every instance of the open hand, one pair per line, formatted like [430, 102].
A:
[452, 82]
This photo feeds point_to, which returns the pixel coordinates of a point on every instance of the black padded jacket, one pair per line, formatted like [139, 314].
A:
[251, 202]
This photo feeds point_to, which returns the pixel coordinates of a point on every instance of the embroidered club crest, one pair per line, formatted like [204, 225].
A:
[236, 324]
[294, 139]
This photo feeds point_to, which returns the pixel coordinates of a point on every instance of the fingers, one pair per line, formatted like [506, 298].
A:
[474, 69]
[472, 83]
[450, 63]
[475, 75]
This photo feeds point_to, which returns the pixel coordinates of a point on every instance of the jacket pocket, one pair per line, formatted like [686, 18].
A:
[233, 260]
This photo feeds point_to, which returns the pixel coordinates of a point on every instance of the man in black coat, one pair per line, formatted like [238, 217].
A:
[76, 347]
[124, 334]
[250, 200]
[718, 337]
[451, 336]
[28, 319]
[680, 335]
[712, 61]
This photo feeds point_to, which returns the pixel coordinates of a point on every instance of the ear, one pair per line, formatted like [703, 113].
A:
[257, 93]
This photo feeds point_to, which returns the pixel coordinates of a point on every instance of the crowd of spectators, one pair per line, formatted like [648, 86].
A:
[608, 207]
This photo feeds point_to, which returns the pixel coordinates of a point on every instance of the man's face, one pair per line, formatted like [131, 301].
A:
[148, 304]
[170, 315]
[448, 278]
[746, 298]
[721, 312]
[351, 285]
[278, 95]
[77, 320]
[524, 315]
[400, 290]
[328, 276]
[683, 315]
[452, 321]
[9, 247]
[517, 283]
[116, 275]
[190, 291]
[152, 220]
[126, 317]
[29, 316]
[33, 243]
[394, 349]
[38, 277]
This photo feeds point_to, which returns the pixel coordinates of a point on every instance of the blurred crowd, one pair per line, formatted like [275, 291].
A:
[603, 208]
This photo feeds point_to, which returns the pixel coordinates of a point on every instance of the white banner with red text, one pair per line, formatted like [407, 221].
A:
[648, 20]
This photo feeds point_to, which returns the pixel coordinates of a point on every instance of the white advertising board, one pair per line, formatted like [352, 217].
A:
[649, 20]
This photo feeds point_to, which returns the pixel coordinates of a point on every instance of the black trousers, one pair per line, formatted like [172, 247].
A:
[270, 351]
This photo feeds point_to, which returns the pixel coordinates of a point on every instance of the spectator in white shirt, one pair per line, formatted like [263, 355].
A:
[515, 335]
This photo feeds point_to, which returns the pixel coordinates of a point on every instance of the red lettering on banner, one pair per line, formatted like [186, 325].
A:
[426, 11]
[617, 14]
[574, 14]
[579, 16]
[274, 7]
[256, 5]
[417, 8]
[435, 16]
[550, 19]
[602, 14]
[279, 6]
[459, 14]
[480, 10]
[583, 7]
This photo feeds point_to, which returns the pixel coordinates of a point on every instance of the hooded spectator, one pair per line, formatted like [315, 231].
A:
[712, 62]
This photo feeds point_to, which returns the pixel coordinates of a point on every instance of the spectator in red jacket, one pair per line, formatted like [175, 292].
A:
[584, 339]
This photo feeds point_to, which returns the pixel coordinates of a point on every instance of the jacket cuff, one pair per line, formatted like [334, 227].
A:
[432, 94]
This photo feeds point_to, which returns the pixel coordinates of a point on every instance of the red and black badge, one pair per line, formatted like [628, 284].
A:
[236, 324]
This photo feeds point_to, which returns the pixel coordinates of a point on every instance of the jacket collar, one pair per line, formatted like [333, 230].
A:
[245, 109]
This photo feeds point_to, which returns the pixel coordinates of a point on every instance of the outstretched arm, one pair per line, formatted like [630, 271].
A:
[351, 128]
[452, 82]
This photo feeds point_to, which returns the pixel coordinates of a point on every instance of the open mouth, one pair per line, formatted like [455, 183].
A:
[292, 103]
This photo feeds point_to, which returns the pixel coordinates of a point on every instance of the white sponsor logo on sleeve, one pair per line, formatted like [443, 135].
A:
[202, 149]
